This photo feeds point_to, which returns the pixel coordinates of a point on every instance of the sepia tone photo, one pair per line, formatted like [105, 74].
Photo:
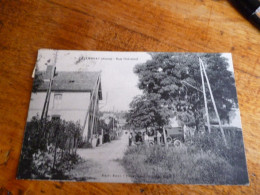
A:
[134, 117]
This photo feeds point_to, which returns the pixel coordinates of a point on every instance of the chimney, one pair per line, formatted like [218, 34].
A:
[50, 71]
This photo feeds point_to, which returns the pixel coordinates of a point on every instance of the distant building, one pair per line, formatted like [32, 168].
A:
[74, 97]
[118, 116]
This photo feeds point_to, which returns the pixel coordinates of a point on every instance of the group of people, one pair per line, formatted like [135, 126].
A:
[146, 137]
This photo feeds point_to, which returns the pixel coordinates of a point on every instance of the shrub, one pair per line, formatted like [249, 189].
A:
[49, 149]
[203, 161]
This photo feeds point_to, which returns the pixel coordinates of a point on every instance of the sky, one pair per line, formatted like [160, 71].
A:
[119, 82]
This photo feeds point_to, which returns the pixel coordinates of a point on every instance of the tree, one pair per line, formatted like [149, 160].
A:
[38, 80]
[112, 123]
[54, 147]
[108, 126]
[146, 110]
[174, 81]
[38, 75]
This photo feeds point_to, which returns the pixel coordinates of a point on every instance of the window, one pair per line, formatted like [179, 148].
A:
[55, 117]
[57, 100]
[57, 96]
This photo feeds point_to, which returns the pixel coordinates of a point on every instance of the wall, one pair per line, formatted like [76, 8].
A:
[71, 107]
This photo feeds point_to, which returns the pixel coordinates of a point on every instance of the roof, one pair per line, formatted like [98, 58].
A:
[72, 82]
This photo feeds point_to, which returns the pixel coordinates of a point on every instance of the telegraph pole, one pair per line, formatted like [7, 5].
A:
[48, 94]
[204, 95]
[213, 101]
[95, 99]
[113, 120]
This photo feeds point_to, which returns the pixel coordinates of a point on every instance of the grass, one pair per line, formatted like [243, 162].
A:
[200, 161]
[81, 170]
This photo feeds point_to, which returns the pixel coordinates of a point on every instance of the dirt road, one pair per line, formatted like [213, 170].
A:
[102, 163]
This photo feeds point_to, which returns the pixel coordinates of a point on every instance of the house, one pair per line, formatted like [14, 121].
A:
[74, 96]
[107, 116]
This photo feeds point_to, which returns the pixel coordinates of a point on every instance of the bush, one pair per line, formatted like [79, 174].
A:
[201, 162]
[49, 149]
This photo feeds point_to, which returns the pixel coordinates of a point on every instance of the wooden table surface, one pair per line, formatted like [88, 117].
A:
[121, 25]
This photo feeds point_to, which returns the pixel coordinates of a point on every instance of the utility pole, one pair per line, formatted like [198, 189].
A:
[48, 94]
[213, 101]
[204, 95]
[86, 130]
[95, 99]
[113, 119]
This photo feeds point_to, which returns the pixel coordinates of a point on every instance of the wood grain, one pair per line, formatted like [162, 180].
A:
[121, 25]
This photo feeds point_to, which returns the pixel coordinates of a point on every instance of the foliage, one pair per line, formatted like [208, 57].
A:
[189, 164]
[112, 123]
[163, 80]
[38, 80]
[108, 126]
[171, 85]
[233, 153]
[145, 111]
[49, 148]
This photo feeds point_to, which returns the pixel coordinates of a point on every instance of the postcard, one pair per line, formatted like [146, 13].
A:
[134, 117]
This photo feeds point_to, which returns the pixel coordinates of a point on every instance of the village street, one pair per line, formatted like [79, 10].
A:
[102, 163]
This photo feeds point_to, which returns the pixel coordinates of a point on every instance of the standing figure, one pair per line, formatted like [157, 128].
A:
[130, 139]
[146, 138]
[158, 135]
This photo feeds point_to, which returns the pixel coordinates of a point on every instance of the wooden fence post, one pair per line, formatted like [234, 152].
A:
[165, 139]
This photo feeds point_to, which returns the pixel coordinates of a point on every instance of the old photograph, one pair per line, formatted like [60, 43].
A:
[134, 117]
